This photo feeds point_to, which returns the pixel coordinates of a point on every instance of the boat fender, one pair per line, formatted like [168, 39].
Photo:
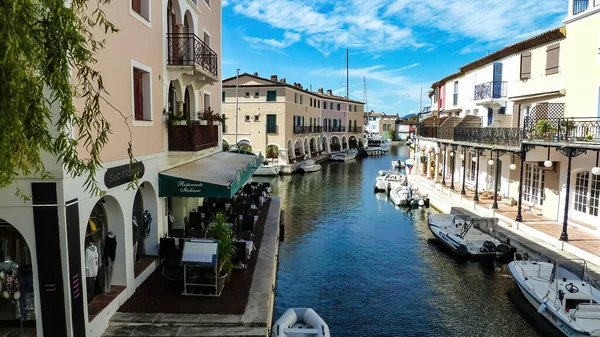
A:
[489, 246]
[463, 250]
[542, 307]
[503, 248]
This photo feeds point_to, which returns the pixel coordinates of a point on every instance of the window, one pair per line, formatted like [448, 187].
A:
[552, 55]
[349, 107]
[310, 103]
[247, 94]
[435, 95]
[256, 95]
[526, 65]
[141, 8]
[141, 95]
[295, 98]
[301, 99]
[256, 118]
[587, 194]
[467, 112]
[355, 108]
[338, 106]
[207, 2]
[247, 118]
[534, 185]
[271, 123]
[223, 123]
[319, 104]
[455, 98]
[331, 105]
[223, 96]
[271, 96]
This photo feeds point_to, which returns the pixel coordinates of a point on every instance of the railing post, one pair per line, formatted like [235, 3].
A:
[495, 204]
[564, 236]
[464, 167]
[476, 197]
[445, 153]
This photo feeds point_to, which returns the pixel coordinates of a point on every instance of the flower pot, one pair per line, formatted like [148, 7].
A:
[221, 280]
[179, 122]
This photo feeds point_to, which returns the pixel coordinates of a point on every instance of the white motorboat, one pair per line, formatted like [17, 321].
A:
[377, 145]
[267, 170]
[462, 235]
[385, 182]
[344, 155]
[398, 164]
[562, 292]
[401, 195]
[300, 322]
[310, 166]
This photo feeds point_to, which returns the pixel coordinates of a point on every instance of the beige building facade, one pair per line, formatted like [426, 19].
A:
[164, 62]
[286, 122]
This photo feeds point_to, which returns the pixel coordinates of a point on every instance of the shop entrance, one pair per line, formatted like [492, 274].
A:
[16, 278]
[100, 245]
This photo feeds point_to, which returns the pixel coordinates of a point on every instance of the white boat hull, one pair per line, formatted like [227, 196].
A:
[311, 168]
[267, 171]
[344, 156]
[300, 322]
[548, 311]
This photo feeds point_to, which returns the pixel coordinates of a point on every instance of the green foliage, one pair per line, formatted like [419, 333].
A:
[219, 230]
[589, 137]
[544, 126]
[272, 151]
[390, 135]
[42, 44]
[210, 116]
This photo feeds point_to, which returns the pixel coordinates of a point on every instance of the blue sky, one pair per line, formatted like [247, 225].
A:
[399, 46]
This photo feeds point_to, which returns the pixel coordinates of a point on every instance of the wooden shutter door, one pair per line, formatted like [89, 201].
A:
[138, 96]
[136, 5]
[526, 65]
[552, 54]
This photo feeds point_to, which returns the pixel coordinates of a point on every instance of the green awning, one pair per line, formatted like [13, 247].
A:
[217, 176]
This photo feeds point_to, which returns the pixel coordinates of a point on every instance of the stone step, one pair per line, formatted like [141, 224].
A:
[124, 319]
[158, 331]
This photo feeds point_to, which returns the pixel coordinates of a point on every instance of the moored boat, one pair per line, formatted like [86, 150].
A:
[398, 164]
[562, 292]
[388, 180]
[267, 169]
[300, 322]
[344, 155]
[310, 166]
[462, 235]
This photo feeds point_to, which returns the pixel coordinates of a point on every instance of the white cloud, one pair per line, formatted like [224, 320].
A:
[289, 39]
[377, 26]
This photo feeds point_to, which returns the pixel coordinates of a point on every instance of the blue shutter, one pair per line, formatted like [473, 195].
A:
[490, 116]
[497, 81]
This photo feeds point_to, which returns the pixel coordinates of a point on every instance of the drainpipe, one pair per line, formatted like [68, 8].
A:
[237, 84]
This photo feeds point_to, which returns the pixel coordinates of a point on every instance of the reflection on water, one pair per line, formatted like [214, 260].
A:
[370, 269]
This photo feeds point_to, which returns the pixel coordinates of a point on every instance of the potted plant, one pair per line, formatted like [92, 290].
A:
[210, 116]
[588, 138]
[272, 152]
[545, 129]
[177, 119]
[219, 230]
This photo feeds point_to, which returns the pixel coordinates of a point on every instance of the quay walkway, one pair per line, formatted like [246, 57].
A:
[583, 243]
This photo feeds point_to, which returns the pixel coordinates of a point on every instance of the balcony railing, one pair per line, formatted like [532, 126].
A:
[193, 137]
[580, 6]
[490, 90]
[492, 136]
[356, 129]
[186, 49]
[302, 130]
[566, 130]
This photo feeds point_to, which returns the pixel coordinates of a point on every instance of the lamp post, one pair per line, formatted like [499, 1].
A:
[463, 157]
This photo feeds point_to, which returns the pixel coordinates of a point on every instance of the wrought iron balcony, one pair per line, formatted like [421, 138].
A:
[355, 129]
[565, 130]
[193, 137]
[186, 49]
[580, 6]
[302, 130]
[490, 90]
[492, 136]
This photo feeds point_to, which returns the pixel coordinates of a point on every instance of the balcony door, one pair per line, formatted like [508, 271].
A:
[497, 81]
[533, 189]
[586, 197]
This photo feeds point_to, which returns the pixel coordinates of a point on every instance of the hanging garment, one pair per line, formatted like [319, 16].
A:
[110, 247]
[90, 282]
[91, 261]
[147, 222]
[108, 264]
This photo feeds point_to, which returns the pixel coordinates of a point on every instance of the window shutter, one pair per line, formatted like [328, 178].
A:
[138, 96]
[526, 65]
[552, 54]
[516, 109]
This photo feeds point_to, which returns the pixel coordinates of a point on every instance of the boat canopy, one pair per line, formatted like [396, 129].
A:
[217, 176]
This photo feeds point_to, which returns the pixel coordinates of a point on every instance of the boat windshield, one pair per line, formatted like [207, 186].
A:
[571, 269]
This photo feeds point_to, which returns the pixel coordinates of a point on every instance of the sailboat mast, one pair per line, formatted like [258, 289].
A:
[347, 79]
[237, 86]
[365, 98]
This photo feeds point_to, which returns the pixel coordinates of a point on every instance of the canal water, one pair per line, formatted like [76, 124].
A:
[370, 269]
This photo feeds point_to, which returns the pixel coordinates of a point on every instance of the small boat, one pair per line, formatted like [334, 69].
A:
[300, 322]
[385, 182]
[378, 143]
[344, 156]
[267, 169]
[462, 235]
[562, 292]
[310, 166]
[398, 164]
[401, 195]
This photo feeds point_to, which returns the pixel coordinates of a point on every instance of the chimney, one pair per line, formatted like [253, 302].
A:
[256, 74]
[274, 78]
[300, 86]
[320, 90]
[282, 80]
[329, 92]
